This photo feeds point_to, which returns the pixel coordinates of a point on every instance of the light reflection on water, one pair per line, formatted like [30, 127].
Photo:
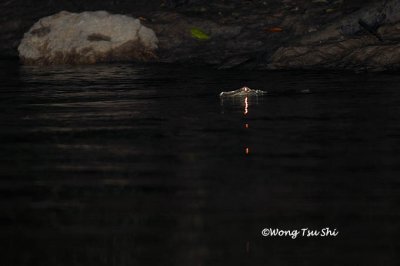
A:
[234, 101]
[126, 164]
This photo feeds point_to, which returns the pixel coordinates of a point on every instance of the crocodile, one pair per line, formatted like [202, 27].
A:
[242, 92]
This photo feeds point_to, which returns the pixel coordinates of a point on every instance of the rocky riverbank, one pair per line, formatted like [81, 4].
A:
[276, 34]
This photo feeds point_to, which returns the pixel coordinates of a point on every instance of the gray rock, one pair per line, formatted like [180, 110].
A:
[364, 40]
[87, 38]
[359, 54]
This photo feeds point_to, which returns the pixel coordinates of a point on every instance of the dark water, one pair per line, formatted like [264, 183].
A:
[143, 165]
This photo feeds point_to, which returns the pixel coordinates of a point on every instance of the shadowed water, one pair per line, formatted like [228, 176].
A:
[144, 165]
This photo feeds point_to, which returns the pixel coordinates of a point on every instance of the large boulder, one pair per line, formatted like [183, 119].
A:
[87, 38]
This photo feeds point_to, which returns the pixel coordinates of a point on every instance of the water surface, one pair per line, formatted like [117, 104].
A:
[144, 165]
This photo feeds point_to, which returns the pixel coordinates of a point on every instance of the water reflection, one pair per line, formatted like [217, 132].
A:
[246, 111]
[130, 165]
[81, 73]
[230, 104]
[246, 106]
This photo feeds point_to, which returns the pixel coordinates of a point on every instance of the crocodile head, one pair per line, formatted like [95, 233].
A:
[242, 92]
